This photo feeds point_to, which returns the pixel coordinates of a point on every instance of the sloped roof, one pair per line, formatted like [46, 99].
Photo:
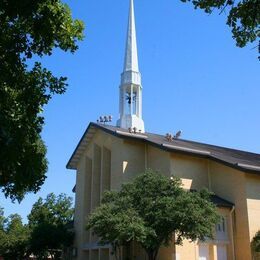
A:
[241, 160]
[220, 202]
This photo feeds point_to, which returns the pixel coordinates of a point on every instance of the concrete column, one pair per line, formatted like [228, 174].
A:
[96, 170]
[95, 189]
[106, 169]
[87, 196]
[137, 102]
[131, 105]
[213, 252]
[140, 102]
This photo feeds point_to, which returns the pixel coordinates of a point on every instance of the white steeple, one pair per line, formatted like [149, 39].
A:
[130, 98]
[131, 60]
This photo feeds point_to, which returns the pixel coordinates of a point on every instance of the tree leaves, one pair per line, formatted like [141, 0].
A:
[255, 243]
[48, 231]
[242, 16]
[29, 29]
[155, 207]
[244, 19]
[14, 237]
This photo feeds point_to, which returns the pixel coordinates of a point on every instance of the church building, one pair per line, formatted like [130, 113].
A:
[107, 156]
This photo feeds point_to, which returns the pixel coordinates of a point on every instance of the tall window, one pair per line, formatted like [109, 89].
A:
[221, 226]
[221, 229]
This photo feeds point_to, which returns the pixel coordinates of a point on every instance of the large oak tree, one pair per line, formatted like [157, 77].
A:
[153, 210]
[29, 29]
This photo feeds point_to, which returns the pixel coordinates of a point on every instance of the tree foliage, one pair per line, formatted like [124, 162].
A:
[243, 16]
[47, 233]
[29, 29]
[255, 244]
[156, 208]
[14, 237]
[118, 224]
[49, 224]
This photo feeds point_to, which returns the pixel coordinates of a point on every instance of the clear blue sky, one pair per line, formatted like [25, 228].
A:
[194, 79]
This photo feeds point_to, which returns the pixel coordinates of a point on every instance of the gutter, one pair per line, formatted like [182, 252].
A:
[232, 232]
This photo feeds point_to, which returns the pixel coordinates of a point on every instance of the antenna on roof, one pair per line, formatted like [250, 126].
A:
[104, 119]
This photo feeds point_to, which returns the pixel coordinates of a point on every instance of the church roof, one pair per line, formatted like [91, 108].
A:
[241, 160]
[220, 202]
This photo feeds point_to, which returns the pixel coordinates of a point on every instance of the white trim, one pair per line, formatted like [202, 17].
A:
[131, 134]
[232, 231]
[249, 166]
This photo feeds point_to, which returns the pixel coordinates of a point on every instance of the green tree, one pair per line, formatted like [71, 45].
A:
[118, 224]
[29, 30]
[2, 233]
[159, 212]
[14, 237]
[243, 16]
[255, 244]
[49, 224]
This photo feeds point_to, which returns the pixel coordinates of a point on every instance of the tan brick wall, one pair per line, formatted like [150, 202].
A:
[132, 154]
[193, 171]
[106, 170]
[253, 203]
[230, 184]
[116, 164]
[87, 197]
[187, 250]
[79, 208]
[158, 160]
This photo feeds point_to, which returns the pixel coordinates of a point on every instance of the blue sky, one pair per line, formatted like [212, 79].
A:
[194, 79]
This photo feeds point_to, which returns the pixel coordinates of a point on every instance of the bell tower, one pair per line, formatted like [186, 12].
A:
[130, 96]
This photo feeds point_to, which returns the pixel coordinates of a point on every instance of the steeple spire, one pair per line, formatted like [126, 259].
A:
[130, 97]
[131, 57]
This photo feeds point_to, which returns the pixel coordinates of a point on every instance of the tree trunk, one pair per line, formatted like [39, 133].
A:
[152, 254]
[155, 254]
[116, 250]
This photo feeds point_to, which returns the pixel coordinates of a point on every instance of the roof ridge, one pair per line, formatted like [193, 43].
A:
[184, 140]
[238, 159]
[205, 144]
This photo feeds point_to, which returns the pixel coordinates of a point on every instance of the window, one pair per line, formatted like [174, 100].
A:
[222, 229]
[221, 226]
